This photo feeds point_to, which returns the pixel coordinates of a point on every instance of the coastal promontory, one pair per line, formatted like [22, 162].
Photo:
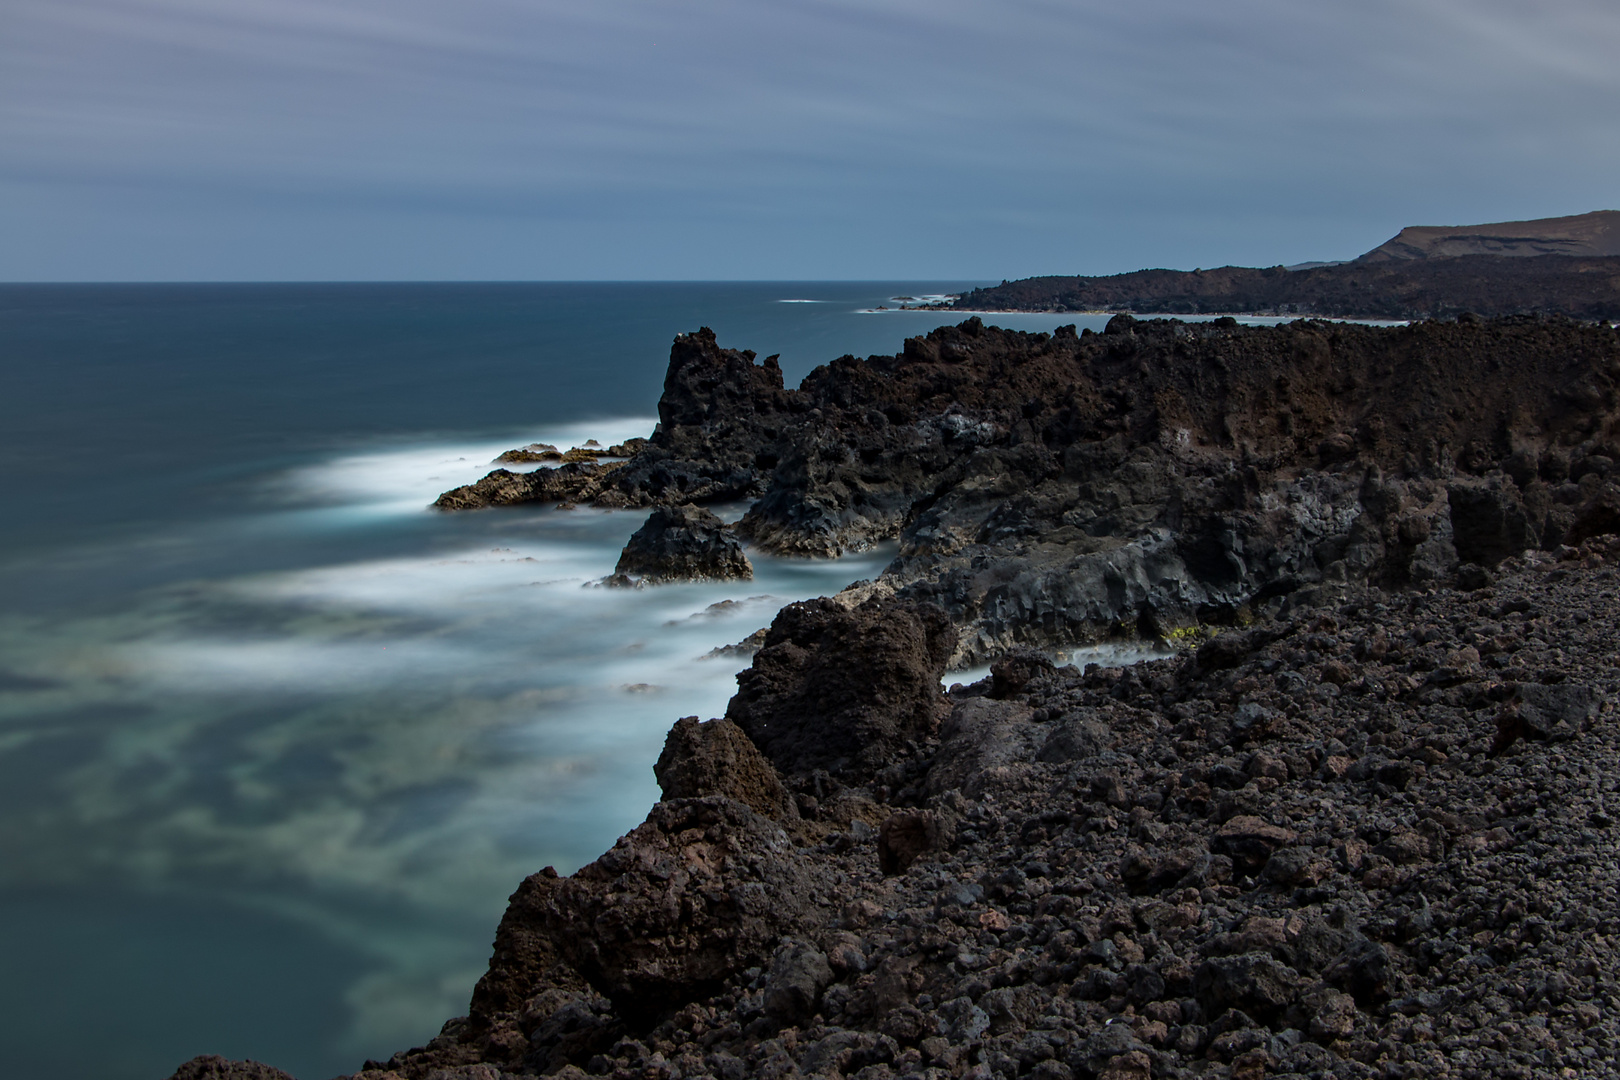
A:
[1357, 821]
[1552, 266]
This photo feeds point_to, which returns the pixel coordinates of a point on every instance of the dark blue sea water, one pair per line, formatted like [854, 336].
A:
[276, 740]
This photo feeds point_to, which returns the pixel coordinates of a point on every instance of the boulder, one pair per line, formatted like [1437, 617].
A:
[799, 972]
[214, 1067]
[905, 837]
[1253, 982]
[1013, 672]
[716, 758]
[845, 689]
[699, 891]
[681, 543]
[1488, 521]
[981, 740]
[1250, 841]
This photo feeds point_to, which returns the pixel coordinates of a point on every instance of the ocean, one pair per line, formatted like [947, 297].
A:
[277, 740]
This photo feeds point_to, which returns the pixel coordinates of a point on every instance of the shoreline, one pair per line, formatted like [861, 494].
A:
[1246, 857]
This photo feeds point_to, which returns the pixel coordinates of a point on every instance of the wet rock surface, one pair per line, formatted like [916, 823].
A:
[681, 543]
[1314, 857]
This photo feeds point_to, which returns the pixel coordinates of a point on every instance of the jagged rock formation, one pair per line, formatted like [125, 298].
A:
[843, 691]
[681, 543]
[567, 483]
[1597, 233]
[1047, 490]
[1365, 839]
[717, 758]
[1367, 831]
[717, 417]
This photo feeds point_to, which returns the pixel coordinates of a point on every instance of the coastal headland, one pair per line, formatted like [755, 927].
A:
[1361, 824]
[1561, 266]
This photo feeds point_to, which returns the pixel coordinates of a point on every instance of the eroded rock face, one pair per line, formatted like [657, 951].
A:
[1297, 853]
[681, 543]
[567, 483]
[718, 420]
[1050, 490]
[525, 959]
[699, 891]
[716, 758]
[905, 837]
[843, 690]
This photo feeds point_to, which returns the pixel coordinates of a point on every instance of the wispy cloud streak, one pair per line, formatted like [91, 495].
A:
[1041, 131]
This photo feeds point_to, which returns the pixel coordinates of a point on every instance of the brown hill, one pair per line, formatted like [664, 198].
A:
[1597, 233]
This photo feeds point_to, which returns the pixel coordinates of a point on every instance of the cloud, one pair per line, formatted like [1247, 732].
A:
[1034, 128]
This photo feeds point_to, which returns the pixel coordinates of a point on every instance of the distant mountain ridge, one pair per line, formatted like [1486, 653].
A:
[1593, 234]
[1554, 266]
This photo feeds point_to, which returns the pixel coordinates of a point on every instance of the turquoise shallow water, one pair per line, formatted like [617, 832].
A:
[276, 741]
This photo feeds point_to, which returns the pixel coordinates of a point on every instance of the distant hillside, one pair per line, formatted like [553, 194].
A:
[1424, 272]
[1597, 233]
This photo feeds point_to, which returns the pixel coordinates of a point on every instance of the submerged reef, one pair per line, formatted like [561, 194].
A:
[1361, 825]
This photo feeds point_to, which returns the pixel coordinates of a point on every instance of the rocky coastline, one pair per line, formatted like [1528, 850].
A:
[1578, 286]
[1550, 266]
[1053, 490]
[1361, 825]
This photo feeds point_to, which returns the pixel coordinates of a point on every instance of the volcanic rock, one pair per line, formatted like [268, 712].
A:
[1308, 846]
[1250, 841]
[1428, 906]
[681, 543]
[1253, 982]
[502, 487]
[905, 837]
[214, 1067]
[701, 890]
[1013, 672]
[844, 690]
[536, 452]
[1054, 490]
[716, 758]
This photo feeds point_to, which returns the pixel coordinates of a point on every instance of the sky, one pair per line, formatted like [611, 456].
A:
[781, 139]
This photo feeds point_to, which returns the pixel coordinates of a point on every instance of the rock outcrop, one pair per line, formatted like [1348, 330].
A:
[1365, 831]
[1052, 490]
[681, 543]
[566, 483]
[1302, 850]
[717, 758]
[843, 691]
[702, 890]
